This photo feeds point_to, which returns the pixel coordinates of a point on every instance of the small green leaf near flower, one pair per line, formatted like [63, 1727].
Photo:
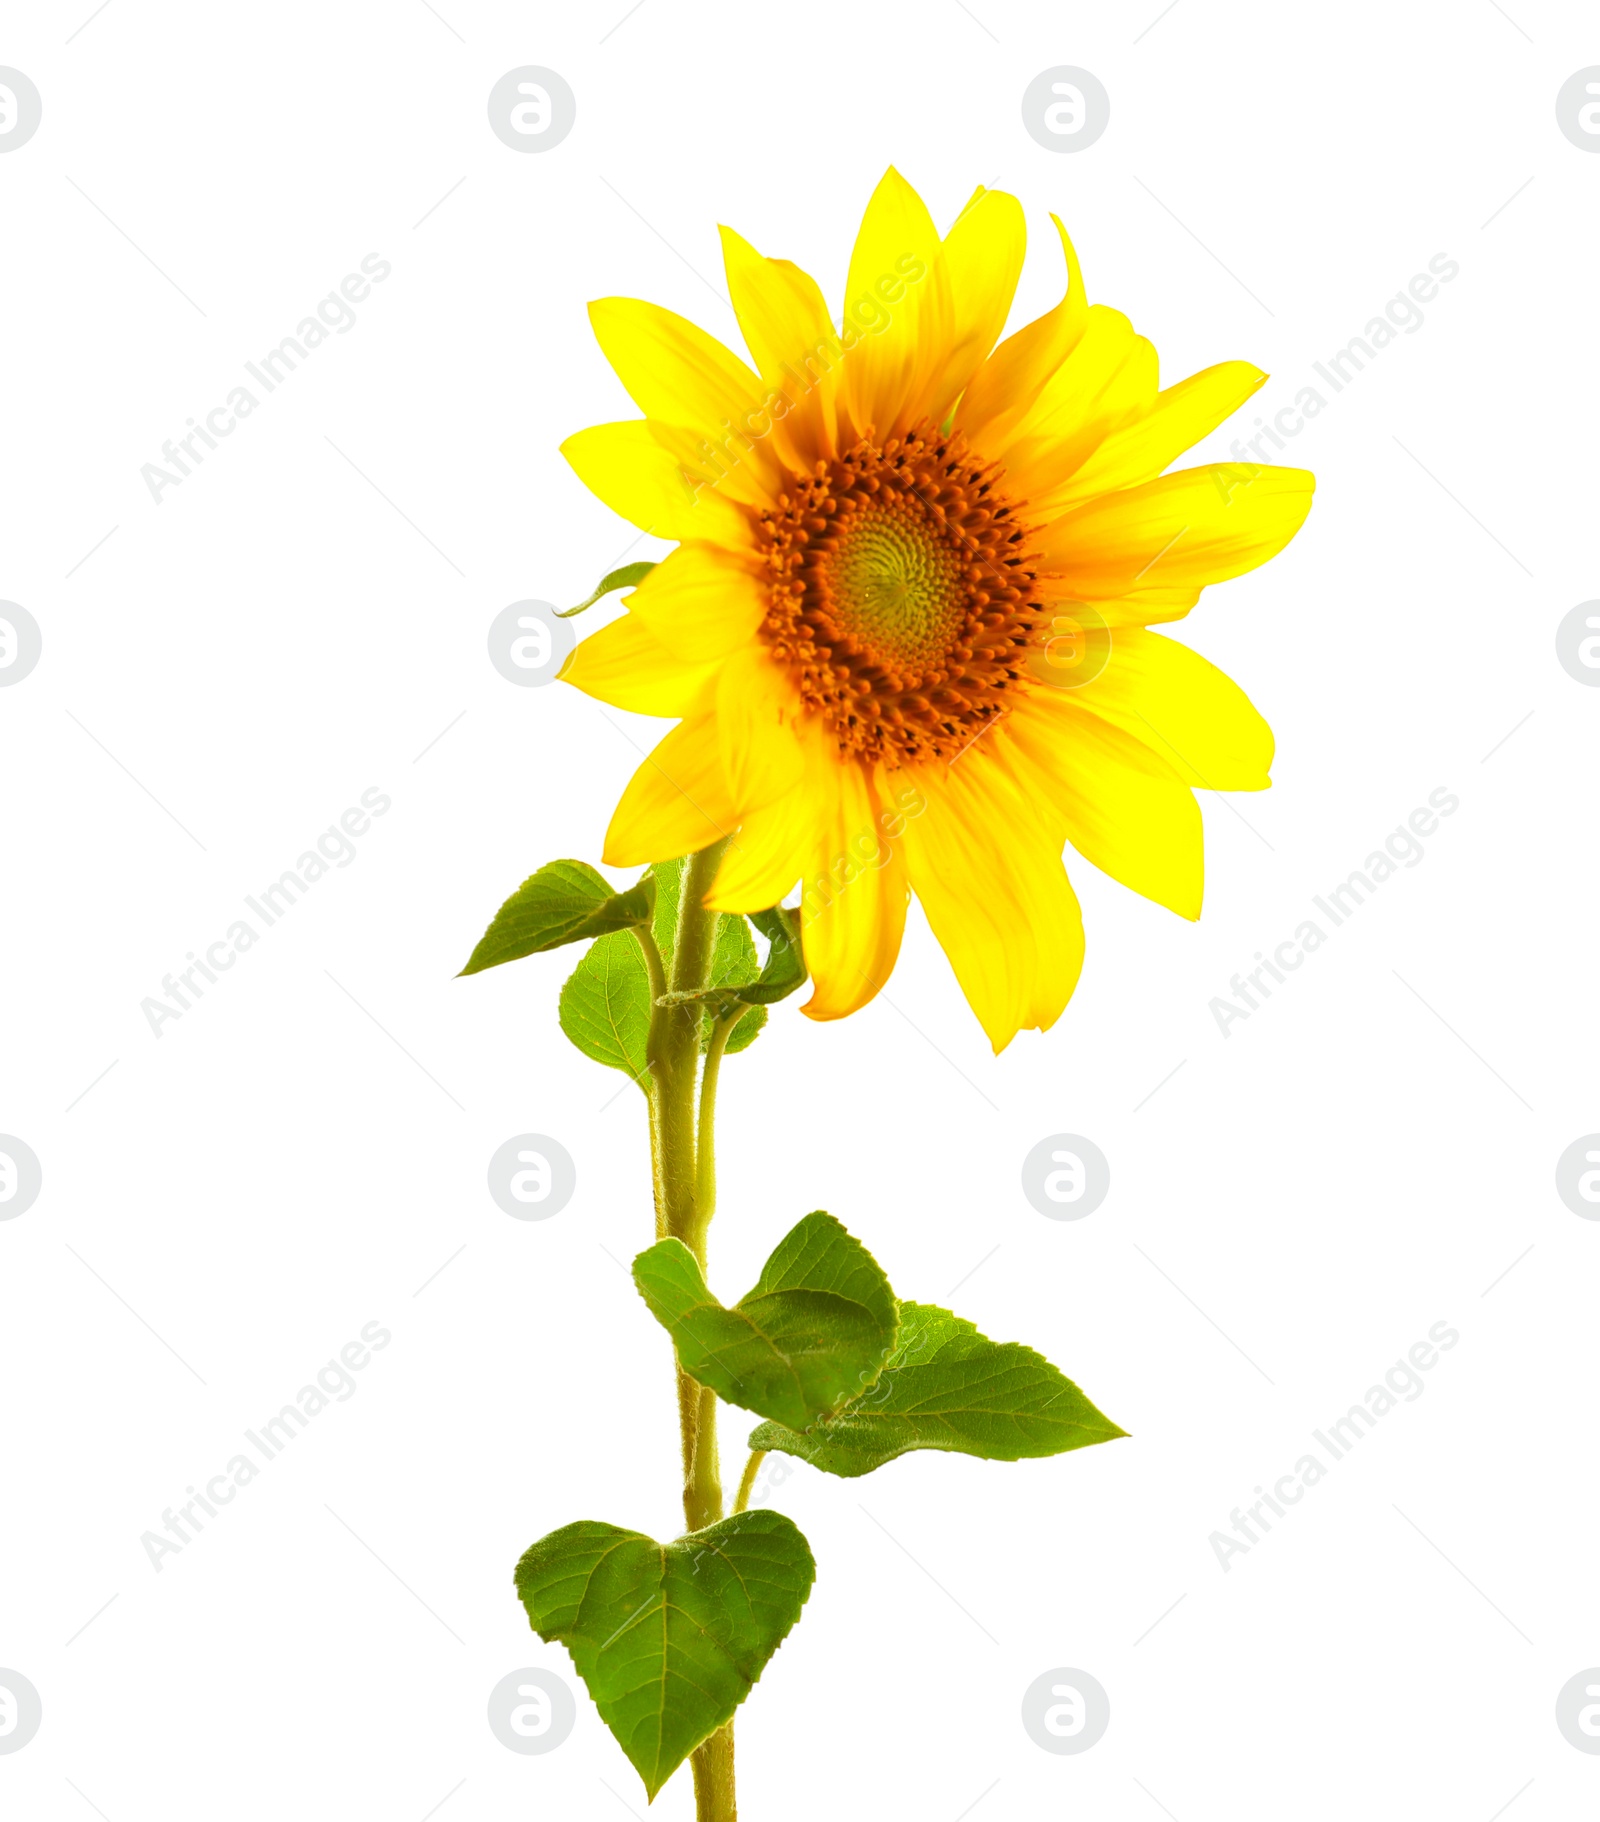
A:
[629, 576]
[564, 902]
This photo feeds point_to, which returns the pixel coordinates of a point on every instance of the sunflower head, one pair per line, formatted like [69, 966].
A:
[904, 633]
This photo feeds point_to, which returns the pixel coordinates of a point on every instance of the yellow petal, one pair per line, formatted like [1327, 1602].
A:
[1138, 607]
[675, 372]
[736, 469]
[628, 467]
[982, 862]
[983, 255]
[1139, 451]
[1107, 381]
[676, 803]
[780, 308]
[1059, 941]
[1186, 530]
[788, 331]
[896, 322]
[852, 899]
[775, 843]
[1010, 380]
[1118, 805]
[703, 601]
[1040, 878]
[1193, 716]
[625, 665]
[768, 854]
[756, 713]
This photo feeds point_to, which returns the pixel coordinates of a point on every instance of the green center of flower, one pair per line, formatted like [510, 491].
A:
[901, 598]
[897, 590]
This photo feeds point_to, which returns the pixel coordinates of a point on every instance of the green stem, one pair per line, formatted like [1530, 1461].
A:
[673, 1052]
[652, 961]
[682, 1152]
[702, 1493]
[747, 1483]
[713, 1778]
[705, 1180]
[691, 959]
[672, 1160]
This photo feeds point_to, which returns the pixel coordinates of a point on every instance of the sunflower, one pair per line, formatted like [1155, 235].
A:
[905, 627]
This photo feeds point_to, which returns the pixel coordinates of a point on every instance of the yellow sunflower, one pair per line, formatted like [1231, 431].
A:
[905, 624]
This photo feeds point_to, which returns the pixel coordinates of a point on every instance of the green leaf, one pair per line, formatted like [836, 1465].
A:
[605, 1005]
[785, 971]
[629, 576]
[748, 1029]
[814, 1332]
[734, 963]
[669, 1638]
[563, 902]
[948, 1387]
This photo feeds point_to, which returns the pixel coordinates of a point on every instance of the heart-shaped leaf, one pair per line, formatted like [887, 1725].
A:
[564, 902]
[948, 1387]
[669, 1638]
[814, 1332]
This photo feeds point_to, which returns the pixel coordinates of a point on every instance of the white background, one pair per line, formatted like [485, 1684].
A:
[1369, 1154]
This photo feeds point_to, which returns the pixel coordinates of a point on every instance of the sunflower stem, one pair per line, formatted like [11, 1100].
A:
[705, 1171]
[683, 1167]
[747, 1481]
[645, 937]
[713, 1778]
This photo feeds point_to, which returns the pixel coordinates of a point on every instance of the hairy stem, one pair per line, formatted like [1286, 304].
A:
[702, 1496]
[646, 940]
[672, 1147]
[673, 1051]
[683, 1167]
[713, 1778]
[691, 958]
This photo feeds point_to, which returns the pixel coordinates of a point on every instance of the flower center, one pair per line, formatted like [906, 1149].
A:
[896, 590]
[900, 600]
